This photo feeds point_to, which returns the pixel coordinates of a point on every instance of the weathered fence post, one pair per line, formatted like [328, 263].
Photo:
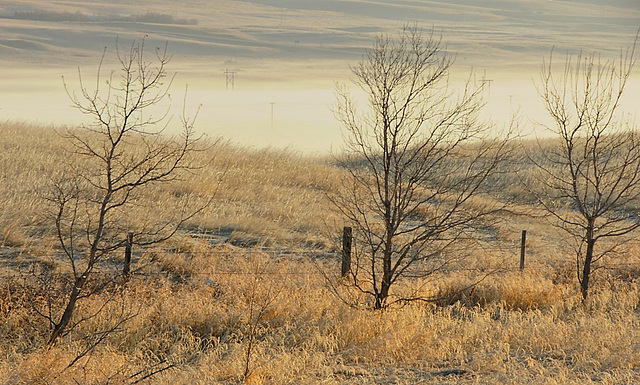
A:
[347, 235]
[127, 254]
[523, 245]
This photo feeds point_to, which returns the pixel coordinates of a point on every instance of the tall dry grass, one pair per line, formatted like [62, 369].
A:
[194, 312]
[271, 195]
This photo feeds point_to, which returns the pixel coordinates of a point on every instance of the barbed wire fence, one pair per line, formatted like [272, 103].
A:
[339, 258]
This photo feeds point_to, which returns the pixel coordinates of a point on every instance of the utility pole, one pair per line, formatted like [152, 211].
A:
[272, 104]
[484, 81]
[231, 78]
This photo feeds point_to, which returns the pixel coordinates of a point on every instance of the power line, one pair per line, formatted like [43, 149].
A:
[272, 104]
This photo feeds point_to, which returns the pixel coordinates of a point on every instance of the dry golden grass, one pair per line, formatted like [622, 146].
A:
[276, 195]
[196, 311]
[198, 306]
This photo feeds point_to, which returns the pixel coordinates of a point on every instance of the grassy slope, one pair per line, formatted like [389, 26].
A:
[491, 33]
[196, 304]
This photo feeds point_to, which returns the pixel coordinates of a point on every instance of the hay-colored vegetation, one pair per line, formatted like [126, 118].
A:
[195, 306]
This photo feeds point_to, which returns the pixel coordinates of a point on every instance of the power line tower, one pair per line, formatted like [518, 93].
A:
[231, 78]
[272, 104]
[486, 81]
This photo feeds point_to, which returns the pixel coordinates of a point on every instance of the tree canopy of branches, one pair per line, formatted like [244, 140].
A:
[113, 160]
[590, 181]
[415, 158]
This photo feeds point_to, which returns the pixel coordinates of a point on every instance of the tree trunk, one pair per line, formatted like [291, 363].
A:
[381, 297]
[586, 269]
[61, 326]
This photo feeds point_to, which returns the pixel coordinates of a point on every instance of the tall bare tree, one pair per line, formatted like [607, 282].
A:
[119, 156]
[415, 159]
[590, 181]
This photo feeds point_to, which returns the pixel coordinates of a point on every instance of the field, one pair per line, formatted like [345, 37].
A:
[196, 305]
[249, 290]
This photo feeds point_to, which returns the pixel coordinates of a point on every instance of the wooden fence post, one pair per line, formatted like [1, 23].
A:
[127, 254]
[347, 235]
[523, 245]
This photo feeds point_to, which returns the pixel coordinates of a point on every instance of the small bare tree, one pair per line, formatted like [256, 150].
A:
[590, 181]
[260, 296]
[415, 161]
[114, 161]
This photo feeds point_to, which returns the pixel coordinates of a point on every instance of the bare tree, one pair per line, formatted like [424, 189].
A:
[260, 297]
[415, 161]
[117, 158]
[590, 180]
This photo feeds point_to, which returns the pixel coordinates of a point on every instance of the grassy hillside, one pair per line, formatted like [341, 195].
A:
[276, 195]
[490, 33]
[194, 308]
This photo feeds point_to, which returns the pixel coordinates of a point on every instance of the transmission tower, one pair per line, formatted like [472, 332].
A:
[231, 78]
[486, 81]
